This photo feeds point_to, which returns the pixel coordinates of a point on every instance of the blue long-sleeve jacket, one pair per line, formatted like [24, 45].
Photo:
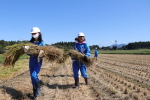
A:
[83, 48]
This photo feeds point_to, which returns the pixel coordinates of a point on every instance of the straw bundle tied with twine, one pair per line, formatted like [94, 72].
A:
[51, 53]
[80, 57]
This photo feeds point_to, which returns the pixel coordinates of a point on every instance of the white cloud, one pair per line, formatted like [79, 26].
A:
[112, 41]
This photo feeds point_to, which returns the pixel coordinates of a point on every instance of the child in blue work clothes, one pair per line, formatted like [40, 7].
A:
[34, 64]
[96, 54]
[81, 46]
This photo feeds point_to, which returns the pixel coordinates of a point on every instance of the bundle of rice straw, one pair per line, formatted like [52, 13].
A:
[51, 53]
[54, 54]
[13, 54]
[79, 56]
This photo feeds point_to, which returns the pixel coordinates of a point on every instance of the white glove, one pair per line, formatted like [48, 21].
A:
[25, 48]
[41, 54]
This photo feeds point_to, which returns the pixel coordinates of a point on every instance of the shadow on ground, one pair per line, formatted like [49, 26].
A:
[15, 94]
[54, 86]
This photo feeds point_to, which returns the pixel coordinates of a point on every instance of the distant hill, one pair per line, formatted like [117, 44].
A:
[118, 46]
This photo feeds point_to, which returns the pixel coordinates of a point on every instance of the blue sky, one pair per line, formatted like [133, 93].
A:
[102, 21]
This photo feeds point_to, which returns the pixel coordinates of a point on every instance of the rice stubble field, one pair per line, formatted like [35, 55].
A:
[113, 77]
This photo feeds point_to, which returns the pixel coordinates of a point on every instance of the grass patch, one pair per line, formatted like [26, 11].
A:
[5, 73]
[1, 59]
[8, 72]
[140, 51]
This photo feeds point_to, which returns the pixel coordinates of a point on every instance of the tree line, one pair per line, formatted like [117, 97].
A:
[69, 45]
[130, 46]
[138, 45]
[3, 44]
[64, 45]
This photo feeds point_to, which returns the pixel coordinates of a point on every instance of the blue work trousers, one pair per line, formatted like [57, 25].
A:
[79, 66]
[34, 67]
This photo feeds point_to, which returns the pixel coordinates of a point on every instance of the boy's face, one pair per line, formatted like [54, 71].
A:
[81, 38]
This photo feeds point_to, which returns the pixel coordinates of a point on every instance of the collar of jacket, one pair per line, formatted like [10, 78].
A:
[82, 42]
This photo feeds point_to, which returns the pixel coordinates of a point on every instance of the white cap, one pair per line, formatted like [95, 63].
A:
[80, 34]
[96, 48]
[35, 30]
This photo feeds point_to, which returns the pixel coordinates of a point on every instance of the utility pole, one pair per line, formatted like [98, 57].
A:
[116, 44]
[100, 46]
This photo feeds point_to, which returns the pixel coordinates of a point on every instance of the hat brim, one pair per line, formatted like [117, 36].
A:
[34, 32]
